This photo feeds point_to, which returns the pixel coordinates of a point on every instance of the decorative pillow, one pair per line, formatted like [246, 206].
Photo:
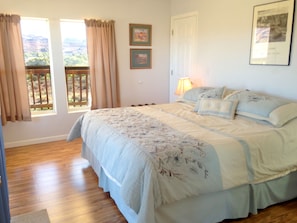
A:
[274, 110]
[192, 94]
[228, 92]
[211, 93]
[218, 107]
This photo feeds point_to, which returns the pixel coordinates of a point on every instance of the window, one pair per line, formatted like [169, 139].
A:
[35, 35]
[76, 63]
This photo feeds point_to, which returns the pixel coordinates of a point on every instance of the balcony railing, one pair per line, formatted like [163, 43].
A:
[77, 83]
[40, 87]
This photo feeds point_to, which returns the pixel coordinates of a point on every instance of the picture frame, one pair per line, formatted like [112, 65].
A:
[140, 58]
[272, 33]
[140, 34]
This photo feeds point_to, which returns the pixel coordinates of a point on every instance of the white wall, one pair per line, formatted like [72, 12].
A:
[137, 86]
[224, 35]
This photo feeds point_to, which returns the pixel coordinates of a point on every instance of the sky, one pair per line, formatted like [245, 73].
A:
[40, 27]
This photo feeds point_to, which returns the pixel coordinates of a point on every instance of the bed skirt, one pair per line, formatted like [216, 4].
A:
[206, 208]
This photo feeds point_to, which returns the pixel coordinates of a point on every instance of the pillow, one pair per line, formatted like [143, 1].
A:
[229, 91]
[192, 94]
[218, 107]
[211, 93]
[274, 110]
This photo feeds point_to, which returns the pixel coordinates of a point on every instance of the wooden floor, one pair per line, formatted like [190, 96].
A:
[54, 176]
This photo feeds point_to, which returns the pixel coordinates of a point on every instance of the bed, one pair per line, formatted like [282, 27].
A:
[214, 154]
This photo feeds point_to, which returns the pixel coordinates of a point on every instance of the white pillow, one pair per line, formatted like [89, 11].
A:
[276, 111]
[211, 93]
[218, 107]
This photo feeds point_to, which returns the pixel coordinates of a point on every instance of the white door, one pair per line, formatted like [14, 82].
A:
[183, 48]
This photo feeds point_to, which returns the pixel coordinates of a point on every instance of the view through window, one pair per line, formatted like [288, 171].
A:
[76, 63]
[35, 35]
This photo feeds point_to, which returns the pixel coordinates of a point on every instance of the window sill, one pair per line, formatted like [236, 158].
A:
[78, 110]
[43, 114]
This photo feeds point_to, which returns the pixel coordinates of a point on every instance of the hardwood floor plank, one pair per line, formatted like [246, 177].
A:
[55, 177]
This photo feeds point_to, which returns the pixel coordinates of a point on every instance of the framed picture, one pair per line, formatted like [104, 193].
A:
[140, 35]
[140, 58]
[272, 33]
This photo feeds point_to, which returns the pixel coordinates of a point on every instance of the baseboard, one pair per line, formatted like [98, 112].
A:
[34, 141]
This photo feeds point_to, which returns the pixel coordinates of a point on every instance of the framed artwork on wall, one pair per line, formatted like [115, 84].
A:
[140, 58]
[140, 34]
[272, 33]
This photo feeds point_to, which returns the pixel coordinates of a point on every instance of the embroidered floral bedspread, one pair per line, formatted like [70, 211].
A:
[161, 154]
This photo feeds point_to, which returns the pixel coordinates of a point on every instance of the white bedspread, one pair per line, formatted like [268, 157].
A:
[163, 153]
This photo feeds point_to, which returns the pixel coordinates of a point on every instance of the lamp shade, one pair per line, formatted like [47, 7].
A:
[183, 85]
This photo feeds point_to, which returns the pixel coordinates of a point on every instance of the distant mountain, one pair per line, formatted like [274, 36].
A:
[32, 43]
[36, 50]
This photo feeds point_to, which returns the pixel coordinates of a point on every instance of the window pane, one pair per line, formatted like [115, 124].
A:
[76, 63]
[35, 35]
[74, 43]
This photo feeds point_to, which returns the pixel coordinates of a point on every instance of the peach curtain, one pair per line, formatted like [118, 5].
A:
[103, 63]
[14, 99]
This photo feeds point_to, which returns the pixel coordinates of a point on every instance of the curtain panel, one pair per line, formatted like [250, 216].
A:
[102, 55]
[14, 99]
